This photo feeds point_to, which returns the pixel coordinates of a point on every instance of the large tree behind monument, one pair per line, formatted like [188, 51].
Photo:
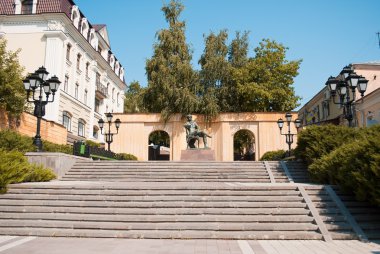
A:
[172, 81]
[229, 80]
[265, 82]
[214, 73]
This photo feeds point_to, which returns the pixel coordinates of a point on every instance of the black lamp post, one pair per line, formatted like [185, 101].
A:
[289, 135]
[345, 85]
[109, 135]
[36, 85]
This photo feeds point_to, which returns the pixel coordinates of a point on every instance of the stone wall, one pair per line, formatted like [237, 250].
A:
[27, 124]
[135, 130]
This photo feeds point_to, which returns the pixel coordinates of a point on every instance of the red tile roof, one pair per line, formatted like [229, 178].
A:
[98, 27]
[43, 6]
[7, 7]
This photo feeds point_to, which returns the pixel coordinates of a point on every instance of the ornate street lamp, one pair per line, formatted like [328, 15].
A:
[36, 86]
[288, 135]
[345, 85]
[109, 135]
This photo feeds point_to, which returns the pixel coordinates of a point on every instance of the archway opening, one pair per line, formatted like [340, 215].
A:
[159, 146]
[244, 146]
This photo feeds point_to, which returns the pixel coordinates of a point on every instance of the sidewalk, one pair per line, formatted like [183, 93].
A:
[38, 245]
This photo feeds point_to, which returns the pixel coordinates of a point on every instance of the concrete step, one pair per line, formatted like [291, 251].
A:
[135, 193]
[264, 200]
[163, 234]
[156, 210]
[335, 222]
[256, 203]
[203, 226]
[110, 179]
[159, 217]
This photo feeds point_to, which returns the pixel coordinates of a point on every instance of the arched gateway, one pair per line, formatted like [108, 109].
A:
[244, 146]
[135, 130]
[159, 146]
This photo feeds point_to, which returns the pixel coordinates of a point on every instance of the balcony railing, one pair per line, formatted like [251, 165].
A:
[101, 91]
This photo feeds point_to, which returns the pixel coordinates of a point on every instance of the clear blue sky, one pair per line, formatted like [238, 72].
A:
[325, 34]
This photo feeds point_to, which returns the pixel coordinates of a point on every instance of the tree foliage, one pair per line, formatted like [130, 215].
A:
[214, 73]
[12, 93]
[265, 82]
[171, 78]
[133, 102]
[228, 81]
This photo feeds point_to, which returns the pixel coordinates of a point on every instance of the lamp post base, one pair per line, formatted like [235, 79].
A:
[38, 143]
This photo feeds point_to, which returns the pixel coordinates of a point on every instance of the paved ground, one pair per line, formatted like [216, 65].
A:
[38, 245]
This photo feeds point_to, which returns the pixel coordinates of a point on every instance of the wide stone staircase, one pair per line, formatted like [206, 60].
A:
[180, 200]
[169, 172]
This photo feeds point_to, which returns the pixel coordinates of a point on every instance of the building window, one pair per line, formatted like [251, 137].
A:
[95, 132]
[81, 128]
[66, 84]
[113, 94]
[66, 120]
[87, 67]
[325, 109]
[97, 81]
[85, 97]
[76, 92]
[117, 98]
[79, 56]
[27, 7]
[97, 105]
[68, 51]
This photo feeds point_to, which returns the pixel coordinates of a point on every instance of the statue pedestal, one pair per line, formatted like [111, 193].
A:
[197, 155]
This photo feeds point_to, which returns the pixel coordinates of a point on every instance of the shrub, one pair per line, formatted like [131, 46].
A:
[274, 155]
[354, 166]
[92, 143]
[15, 168]
[13, 141]
[316, 141]
[126, 157]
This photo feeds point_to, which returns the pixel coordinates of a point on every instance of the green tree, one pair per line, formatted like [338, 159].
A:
[237, 59]
[238, 50]
[12, 93]
[133, 102]
[214, 73]
[171, 79]
[265, 82]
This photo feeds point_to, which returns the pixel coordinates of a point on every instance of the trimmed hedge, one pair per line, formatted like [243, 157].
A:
[317, 141]
[13, 141]
[274, 155]
[348, 157]
[15, 168]
[126, 157]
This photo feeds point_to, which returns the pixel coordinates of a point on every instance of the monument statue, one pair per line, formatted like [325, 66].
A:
[193, 133]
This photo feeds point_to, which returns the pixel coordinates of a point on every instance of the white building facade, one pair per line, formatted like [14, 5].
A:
[55, 34]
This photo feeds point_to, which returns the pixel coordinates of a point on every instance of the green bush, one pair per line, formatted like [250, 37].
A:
[92, 143]
[316, 141]
[13, 141]
[126, 157]
[354, 166]
[274, 155]
[348, 157]
[15, 168]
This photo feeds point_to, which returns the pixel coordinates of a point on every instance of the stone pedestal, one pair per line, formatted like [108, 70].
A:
[198, 155]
